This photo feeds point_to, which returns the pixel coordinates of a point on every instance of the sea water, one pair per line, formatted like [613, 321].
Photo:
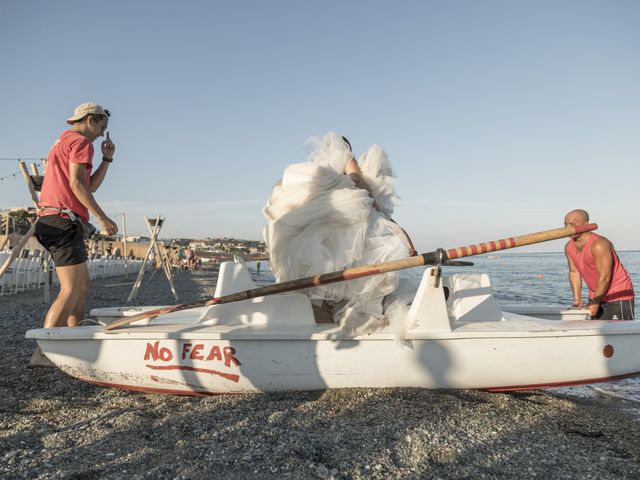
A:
[534, 278]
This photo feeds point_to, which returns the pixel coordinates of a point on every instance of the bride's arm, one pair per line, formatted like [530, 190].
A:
[353, 170]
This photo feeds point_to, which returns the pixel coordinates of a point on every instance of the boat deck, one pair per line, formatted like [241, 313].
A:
[515, 326]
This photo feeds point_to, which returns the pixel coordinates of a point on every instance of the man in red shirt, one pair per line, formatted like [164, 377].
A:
[65, 201]
[593, 259]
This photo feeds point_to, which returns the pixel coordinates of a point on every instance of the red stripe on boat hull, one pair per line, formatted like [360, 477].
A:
[168, 391]
[560, 384]
[163, 391]
[228, 376]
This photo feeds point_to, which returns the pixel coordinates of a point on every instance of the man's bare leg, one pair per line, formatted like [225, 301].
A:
[77, 314]
[68, 307]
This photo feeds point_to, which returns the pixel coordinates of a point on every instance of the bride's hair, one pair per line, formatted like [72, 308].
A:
[347, 142]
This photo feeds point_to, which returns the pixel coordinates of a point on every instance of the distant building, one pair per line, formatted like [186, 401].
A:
[137, 238]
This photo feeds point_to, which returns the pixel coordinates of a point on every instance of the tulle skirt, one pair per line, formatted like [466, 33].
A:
[319, 222]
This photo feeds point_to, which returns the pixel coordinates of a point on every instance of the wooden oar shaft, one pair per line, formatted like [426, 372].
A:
[432, 258]
[284, 287]
[316, 281]
[520, 241]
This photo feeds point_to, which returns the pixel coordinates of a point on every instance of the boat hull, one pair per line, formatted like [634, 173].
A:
[184, 362]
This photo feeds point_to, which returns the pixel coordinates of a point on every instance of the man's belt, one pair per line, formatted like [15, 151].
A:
[74, 217]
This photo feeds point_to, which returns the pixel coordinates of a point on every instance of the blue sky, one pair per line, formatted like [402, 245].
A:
[498, 116]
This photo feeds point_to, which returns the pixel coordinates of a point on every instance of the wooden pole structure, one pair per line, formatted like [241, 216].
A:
[6, 231]
[163, 260]
[46, 260]
[138, 282]
[124, 241]
[159, 254]
[18, 248]
[438, 257]
[166, 266]
[30, 186]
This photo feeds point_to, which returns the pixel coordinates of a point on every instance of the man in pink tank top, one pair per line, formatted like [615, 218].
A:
[593, 259]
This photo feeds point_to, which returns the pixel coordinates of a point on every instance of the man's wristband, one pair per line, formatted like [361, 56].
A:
[108, 160]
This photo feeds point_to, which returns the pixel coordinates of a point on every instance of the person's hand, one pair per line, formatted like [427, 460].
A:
[352, 166]
[413, 252]
[593, 309]
[108, 147]
[578, 304]
[108, 226]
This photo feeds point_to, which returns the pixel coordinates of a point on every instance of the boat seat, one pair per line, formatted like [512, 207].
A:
[233, 278]
[470, 298]
[287, 310]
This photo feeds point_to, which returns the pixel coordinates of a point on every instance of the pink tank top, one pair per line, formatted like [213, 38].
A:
[620, 287]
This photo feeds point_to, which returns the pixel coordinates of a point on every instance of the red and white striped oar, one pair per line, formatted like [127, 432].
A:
[439, 257]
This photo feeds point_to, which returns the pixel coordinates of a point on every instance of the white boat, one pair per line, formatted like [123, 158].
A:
[549, 312]
[460, 339]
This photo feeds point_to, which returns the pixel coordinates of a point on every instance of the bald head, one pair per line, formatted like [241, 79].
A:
[576, 217]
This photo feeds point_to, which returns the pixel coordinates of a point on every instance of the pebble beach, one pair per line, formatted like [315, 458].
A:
[53, 426]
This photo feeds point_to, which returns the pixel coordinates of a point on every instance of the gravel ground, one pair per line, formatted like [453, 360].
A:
[53, 426]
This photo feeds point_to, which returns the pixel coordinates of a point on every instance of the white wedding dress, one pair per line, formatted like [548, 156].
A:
[320, 222]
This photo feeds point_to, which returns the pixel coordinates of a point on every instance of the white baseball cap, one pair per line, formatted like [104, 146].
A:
[85, 109]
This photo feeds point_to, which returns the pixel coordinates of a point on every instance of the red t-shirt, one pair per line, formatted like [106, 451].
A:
[71, 147]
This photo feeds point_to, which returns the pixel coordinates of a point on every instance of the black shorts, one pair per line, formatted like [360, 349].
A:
[63, 238]
[616, 310]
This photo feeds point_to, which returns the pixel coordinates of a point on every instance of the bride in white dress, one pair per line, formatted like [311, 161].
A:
[331, 212]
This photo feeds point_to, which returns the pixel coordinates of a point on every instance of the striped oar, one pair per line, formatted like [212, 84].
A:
[438, 257]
